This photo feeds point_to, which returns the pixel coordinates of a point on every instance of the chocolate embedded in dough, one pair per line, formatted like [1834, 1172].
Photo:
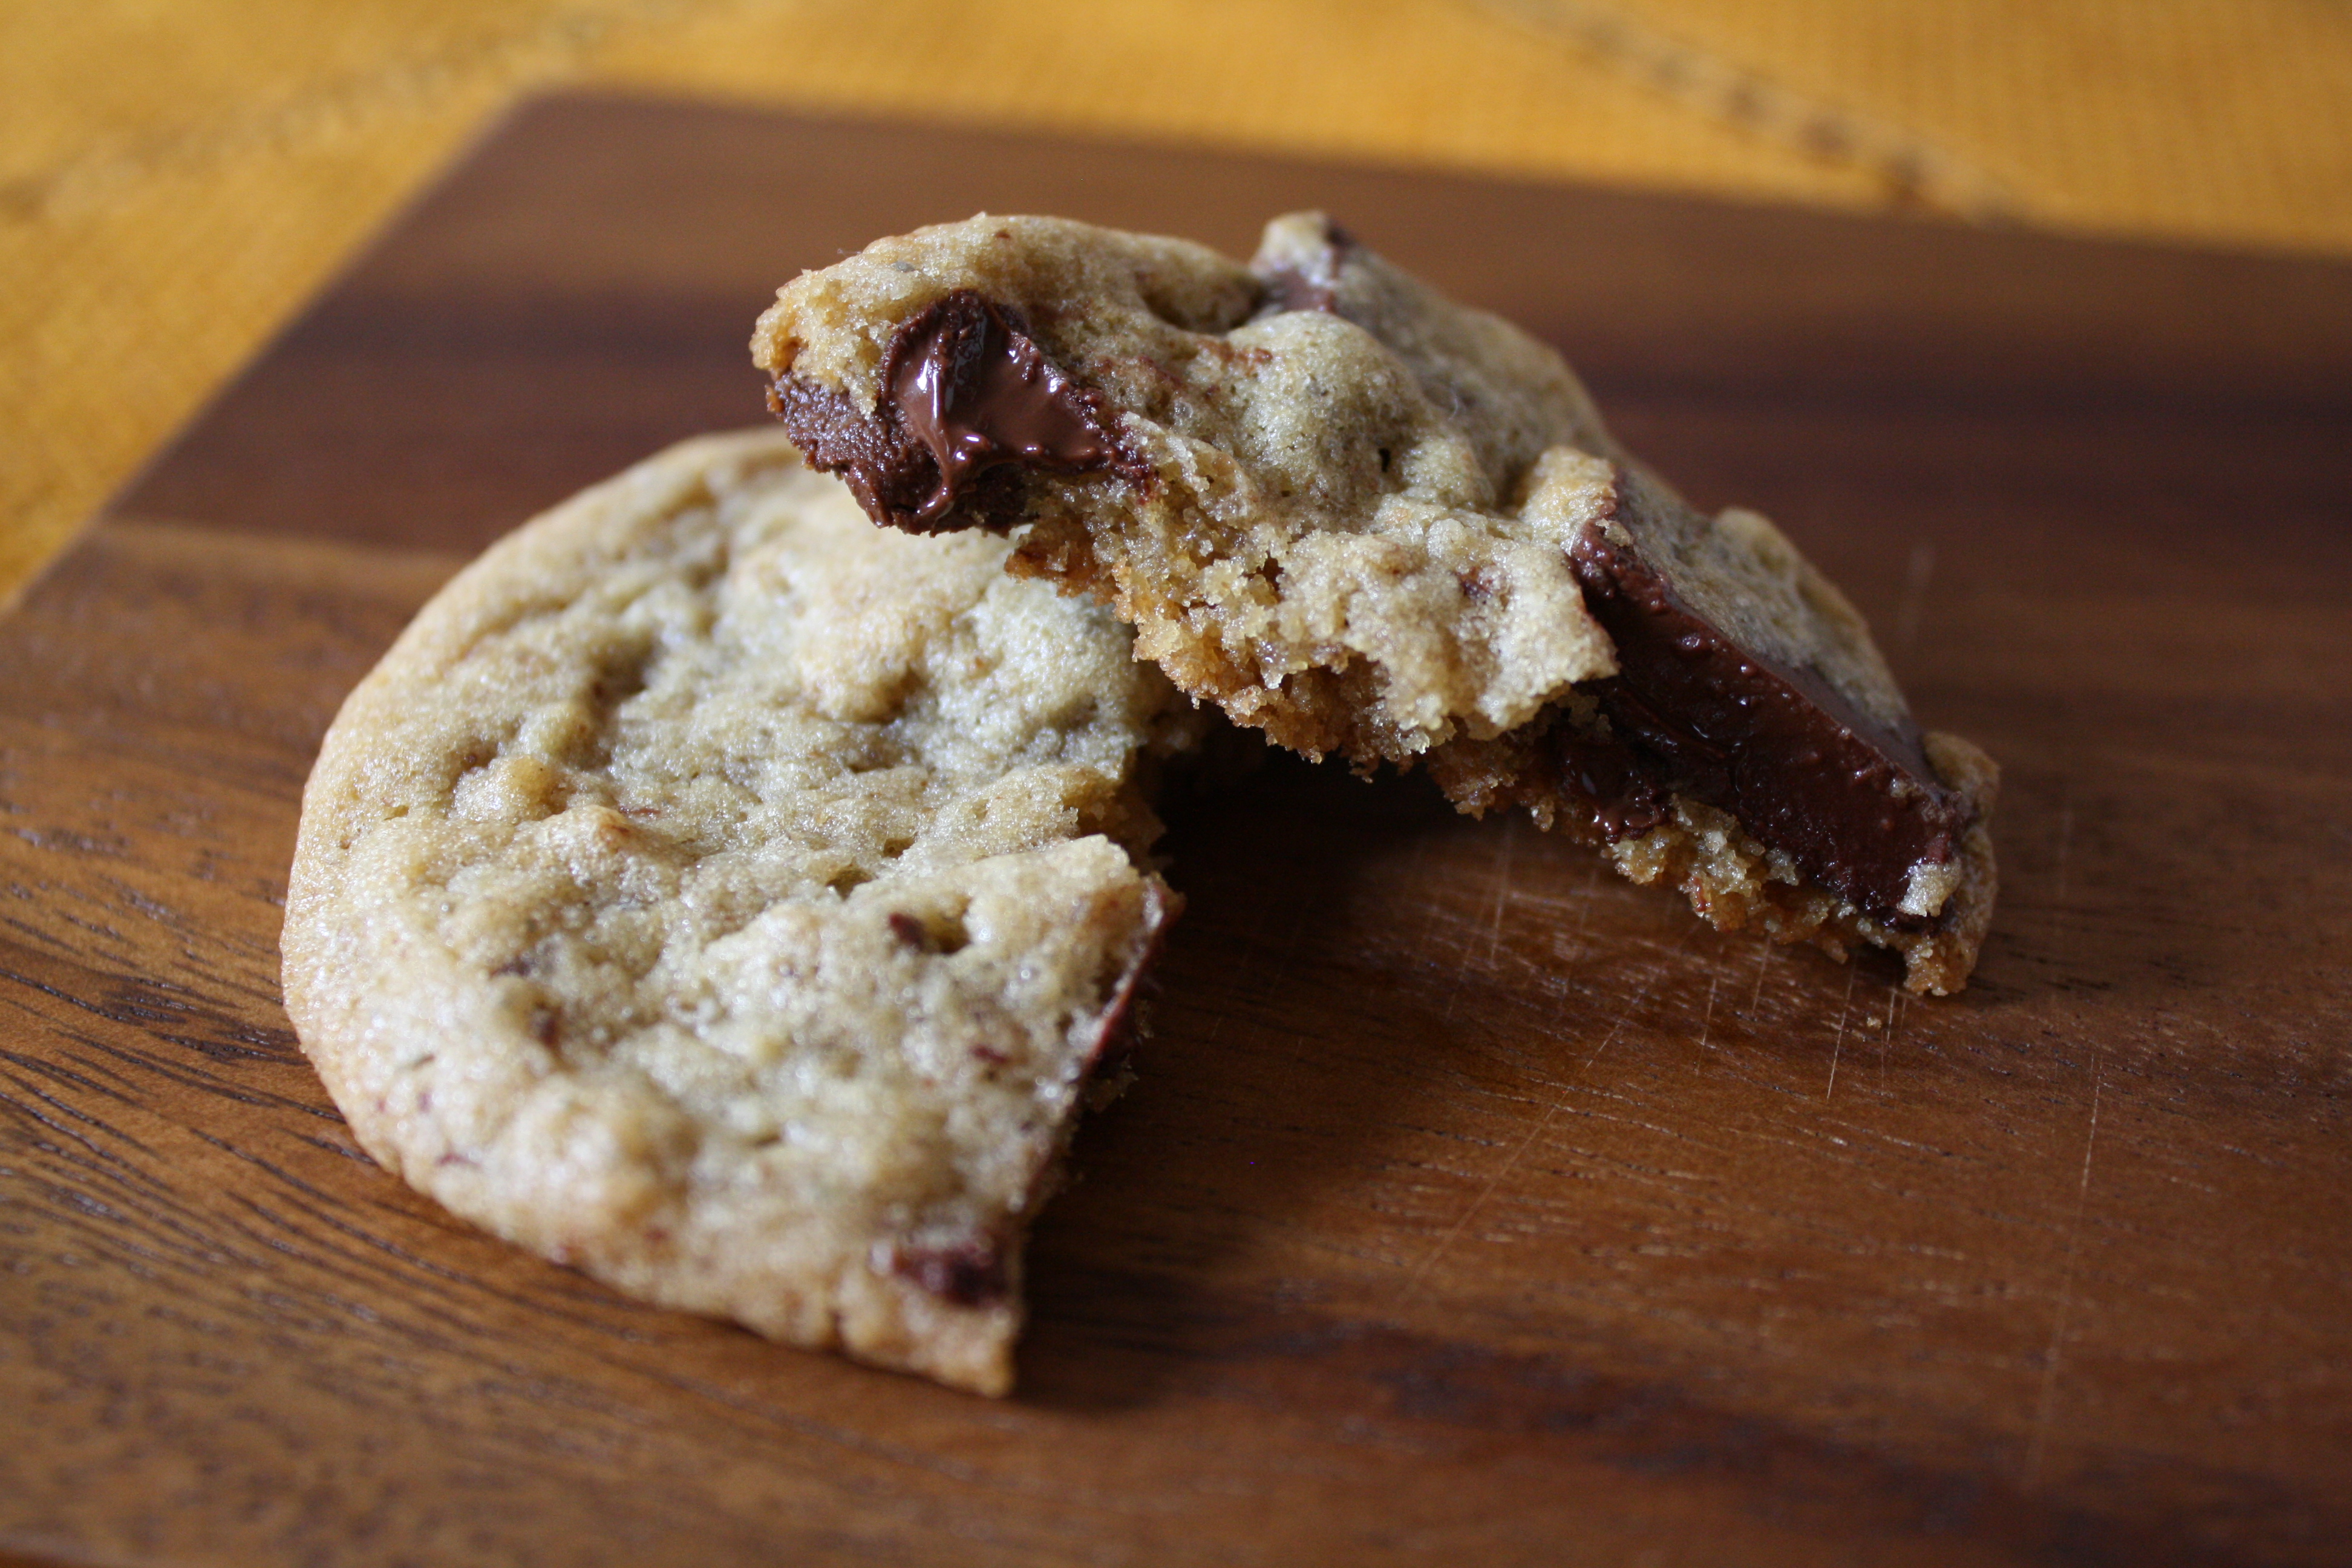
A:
[1852, 802]
[971, 1273]
[1311, 282]
[970, 400]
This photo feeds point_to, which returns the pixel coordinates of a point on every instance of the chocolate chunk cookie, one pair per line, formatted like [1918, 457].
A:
[735, 901]
[1368, 520]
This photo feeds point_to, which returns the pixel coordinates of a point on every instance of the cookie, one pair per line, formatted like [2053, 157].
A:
[736, 901]
[1370, 522]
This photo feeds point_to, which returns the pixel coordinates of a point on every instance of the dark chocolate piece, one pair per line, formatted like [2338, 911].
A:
[885, 467]
[1289, 290]
[1115, 1034]
[968, 401]
[976, 391]
[1855, 805]
[1292, 289]
[969, 1273]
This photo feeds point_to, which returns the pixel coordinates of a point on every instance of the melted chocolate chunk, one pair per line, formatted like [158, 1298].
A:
[970, 404]
[972, 388]
[886, 468]
[1855, 805]
[970, 1274]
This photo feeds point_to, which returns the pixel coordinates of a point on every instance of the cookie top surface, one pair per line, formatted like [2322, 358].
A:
[731, 897]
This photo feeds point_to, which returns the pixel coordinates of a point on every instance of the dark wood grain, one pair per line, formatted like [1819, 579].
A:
[1471, 1204]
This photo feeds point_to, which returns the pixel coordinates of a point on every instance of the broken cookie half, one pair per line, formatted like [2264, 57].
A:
[736, 902]
[1370, 522]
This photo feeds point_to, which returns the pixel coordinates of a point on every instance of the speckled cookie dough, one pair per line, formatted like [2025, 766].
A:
[1370, 522]
[733, 901]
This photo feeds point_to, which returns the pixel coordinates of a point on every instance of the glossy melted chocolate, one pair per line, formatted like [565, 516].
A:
[972, 386]
[968, 402]
[1853, 805]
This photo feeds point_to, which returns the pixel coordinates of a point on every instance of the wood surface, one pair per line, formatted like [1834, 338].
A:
[1471, 1204]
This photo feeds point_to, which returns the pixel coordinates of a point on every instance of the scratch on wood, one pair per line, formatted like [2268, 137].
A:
[2050, 1358]
[1509, 837]
[1887, 1035]
[1763, 962]
[1584, 903]
[1845, 1009]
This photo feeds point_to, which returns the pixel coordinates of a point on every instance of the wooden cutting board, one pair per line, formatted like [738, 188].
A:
[1472, 1204]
